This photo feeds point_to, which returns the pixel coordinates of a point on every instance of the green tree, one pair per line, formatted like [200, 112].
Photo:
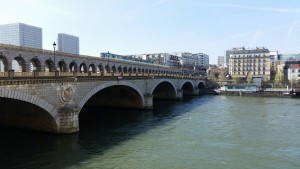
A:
[279, 79]
[249, 78]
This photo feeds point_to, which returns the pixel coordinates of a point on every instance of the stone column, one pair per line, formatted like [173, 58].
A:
[196, 91]
[69, 122]
[179, 94]
[148, 101]
[11, 73]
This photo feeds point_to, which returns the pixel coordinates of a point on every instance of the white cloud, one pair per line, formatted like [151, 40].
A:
[280, 10]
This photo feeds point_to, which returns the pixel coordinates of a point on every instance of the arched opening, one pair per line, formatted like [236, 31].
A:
[201, 87]
[83, 68]
[101, 70]
[73, 67]
[25, 116]
[130, 70]
[92, 68]
[107, 69]
[119, 96]
[3, 64]
[62, 66]
[187, 89]
[114, 69]
[125, 70]
[134, 70]
[18, 64]
[119, 69]
[164, 90]
[35, 65]
[49, 65]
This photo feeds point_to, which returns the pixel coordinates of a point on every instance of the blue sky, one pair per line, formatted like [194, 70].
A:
[151, 26]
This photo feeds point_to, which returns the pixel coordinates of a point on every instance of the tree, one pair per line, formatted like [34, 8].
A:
[279, 79]
[249, 78]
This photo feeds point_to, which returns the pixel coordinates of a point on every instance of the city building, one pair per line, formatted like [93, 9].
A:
[221, 61]
[254, 61]
[21, 34]
[293, 72]
[289, 57]
[226, 57]
[68, 43]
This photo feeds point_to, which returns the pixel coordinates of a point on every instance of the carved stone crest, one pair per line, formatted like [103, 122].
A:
[66, 93]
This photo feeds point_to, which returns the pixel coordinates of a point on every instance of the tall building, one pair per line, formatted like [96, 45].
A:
[255, 61]
[221, 61]
[68, 43]
[226, 57]
[21, 34]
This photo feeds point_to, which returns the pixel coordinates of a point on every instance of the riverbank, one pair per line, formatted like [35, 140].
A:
[261, 94]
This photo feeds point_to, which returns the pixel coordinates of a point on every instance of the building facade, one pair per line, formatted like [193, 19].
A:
[68, 43]
[21, 34]
[255, 61]
[226, 57]
[221, 61]
[293, 72]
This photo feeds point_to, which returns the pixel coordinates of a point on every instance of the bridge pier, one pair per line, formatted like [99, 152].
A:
[148, 101]
[179, 94]
[196, 91]
[68, 120]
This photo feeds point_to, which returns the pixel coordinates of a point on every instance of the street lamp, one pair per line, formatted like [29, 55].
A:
[54, 45]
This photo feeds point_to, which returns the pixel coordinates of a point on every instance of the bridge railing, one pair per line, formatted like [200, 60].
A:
[46, 74]
[12, 74]
[23, 74]
[3, 74]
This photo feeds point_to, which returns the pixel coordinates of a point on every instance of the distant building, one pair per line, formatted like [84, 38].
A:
[293, 72]
[255, 61]
[289, 57]
[226, 57]
[221, 61]
[273, 59]
[21, 34]
[68, 43]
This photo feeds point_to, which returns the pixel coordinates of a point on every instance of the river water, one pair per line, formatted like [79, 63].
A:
[200, 132]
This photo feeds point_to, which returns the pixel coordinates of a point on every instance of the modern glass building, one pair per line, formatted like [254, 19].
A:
[289, 57]
[21, 34]
[68, 43]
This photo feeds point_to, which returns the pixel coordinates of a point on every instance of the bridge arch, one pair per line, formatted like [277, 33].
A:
[100, 68]
[73, 67]
[83, 68]
[62, 66]
[49, 65]
[19, 64]
[3, 63]
[92, 68]
[164, 89]
[187, 88]
[111, 89]
[32, 112]
[35, 65]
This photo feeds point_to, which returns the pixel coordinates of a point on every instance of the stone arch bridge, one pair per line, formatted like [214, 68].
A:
[48, 91]
[53, 105]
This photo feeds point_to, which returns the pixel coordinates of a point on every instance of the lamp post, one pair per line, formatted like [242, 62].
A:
[54, 45]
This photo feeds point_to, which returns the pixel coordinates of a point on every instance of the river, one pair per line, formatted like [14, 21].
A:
[200, 132]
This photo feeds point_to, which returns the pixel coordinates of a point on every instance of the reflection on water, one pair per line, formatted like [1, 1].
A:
[203, 132]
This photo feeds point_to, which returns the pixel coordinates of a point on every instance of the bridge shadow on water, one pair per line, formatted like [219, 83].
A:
[100, 130]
